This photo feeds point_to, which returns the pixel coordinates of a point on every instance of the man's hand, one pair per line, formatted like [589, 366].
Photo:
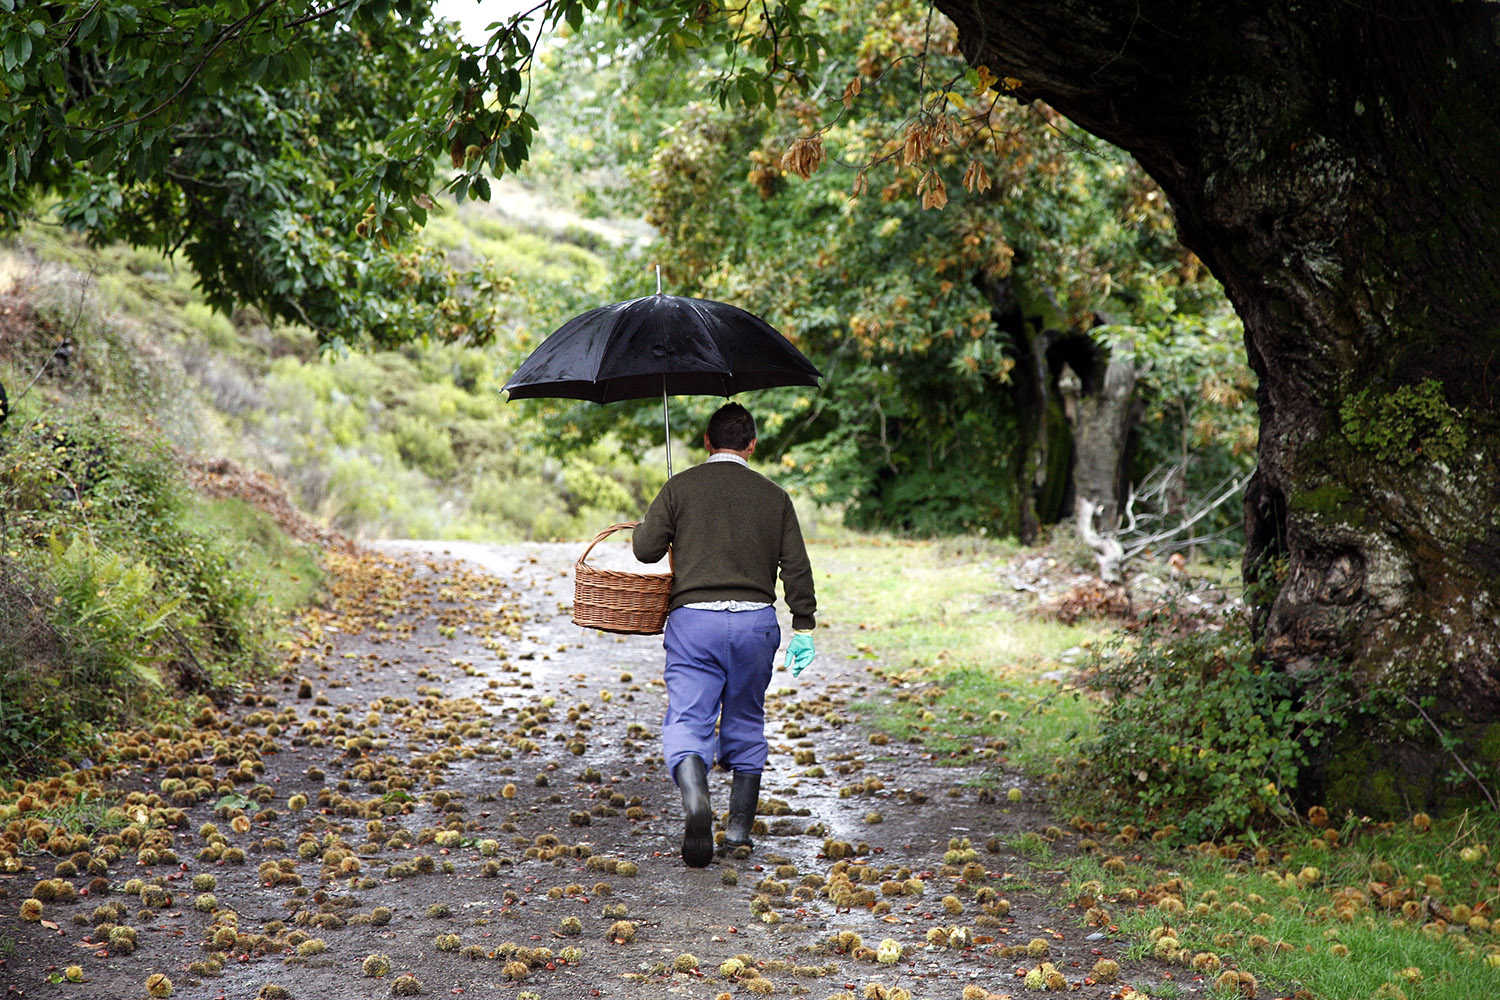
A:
[799, 653]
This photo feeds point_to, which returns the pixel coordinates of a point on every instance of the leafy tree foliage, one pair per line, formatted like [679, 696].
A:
[289, 150]
[283, 148]
[290, 147]
[923, 308]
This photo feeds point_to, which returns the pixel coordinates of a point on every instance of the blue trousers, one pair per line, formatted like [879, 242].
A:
[718, 668]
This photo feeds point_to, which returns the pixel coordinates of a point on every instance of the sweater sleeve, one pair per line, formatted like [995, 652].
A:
[796, 572]
[653, 534]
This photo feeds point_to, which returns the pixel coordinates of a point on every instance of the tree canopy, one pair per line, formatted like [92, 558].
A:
[290, 151]
[289, 148]
[285, 149]
[924, 316]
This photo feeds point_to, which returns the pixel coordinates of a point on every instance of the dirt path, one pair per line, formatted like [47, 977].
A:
[486, 807]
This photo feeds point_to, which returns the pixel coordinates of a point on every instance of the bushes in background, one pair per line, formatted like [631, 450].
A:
[421, 444]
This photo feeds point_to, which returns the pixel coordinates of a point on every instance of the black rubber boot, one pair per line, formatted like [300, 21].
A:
[698, 827]
[744, 796]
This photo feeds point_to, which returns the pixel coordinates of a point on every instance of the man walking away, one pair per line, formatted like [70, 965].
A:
[731, 531]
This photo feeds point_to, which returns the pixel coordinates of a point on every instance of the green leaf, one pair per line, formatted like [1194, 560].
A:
[234, 800]
[749, 92]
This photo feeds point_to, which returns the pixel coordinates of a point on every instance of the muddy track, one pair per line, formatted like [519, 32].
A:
[453, 783]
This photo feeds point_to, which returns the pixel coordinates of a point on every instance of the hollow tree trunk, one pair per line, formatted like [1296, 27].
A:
[1101, 426]
[1334, 165]
[1044, 443]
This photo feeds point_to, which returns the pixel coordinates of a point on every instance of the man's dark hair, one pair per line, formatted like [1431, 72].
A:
[731, 427]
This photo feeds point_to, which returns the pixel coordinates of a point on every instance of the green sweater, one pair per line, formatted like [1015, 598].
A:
[730, 529]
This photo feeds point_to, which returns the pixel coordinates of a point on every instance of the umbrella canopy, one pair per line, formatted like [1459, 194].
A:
[660, 345]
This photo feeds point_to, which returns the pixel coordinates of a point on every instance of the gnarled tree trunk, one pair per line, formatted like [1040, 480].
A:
[1334, 165]
[1101, 424]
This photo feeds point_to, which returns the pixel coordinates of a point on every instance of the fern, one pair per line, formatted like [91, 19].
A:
[113, 601]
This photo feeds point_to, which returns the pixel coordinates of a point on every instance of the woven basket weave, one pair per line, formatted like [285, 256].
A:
[615, 601]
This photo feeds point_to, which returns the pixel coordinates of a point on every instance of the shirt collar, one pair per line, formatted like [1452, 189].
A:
[725, 456]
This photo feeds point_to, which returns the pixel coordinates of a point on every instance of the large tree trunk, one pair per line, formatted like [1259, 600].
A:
[1334, 164]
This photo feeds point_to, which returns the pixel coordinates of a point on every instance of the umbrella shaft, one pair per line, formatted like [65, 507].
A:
[667, 422]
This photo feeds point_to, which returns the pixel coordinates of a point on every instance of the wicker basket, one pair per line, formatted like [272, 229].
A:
[615, 601]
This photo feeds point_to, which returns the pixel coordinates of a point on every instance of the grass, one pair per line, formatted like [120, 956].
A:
[290, 572]
[1339, 920]
[85, 814]
[1032, 846]
[530, 259]
[1326, 907]
[973, 676]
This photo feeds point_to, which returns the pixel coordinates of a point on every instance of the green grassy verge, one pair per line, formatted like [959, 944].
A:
[973, 677]
[124, 596]
[1304, 905]
[1362, 911]
[288, 573]
[121, 593]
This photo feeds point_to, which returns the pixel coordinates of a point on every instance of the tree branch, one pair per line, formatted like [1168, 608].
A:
[1140, 545]
[225, 36]
[1443, 739]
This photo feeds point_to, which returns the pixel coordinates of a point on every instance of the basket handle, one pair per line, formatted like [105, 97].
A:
[671, 561]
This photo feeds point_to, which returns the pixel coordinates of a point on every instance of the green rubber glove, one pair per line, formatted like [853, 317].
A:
[799, 653]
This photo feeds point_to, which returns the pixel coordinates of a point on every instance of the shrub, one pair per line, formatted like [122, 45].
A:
[1200, 731]
[116, 612]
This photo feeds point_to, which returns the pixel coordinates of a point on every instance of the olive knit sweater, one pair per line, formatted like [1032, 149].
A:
[730, 529]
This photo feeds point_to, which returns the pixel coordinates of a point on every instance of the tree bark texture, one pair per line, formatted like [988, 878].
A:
[1101, 426]
[1337, 166]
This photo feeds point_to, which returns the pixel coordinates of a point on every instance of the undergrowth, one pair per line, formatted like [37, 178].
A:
[114, 602]
[415, 442]
[1195, 731]
[1174, 758]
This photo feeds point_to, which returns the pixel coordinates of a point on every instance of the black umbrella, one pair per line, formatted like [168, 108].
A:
[661, 344]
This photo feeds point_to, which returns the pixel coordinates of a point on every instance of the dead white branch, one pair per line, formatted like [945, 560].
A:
[1139, 537]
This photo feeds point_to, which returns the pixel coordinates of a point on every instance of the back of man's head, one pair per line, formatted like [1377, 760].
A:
[731, 427]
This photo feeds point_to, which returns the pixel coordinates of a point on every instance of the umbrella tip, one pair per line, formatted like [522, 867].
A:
[658, 279]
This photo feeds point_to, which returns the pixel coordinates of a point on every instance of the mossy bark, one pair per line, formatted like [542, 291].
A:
[1334, 164]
